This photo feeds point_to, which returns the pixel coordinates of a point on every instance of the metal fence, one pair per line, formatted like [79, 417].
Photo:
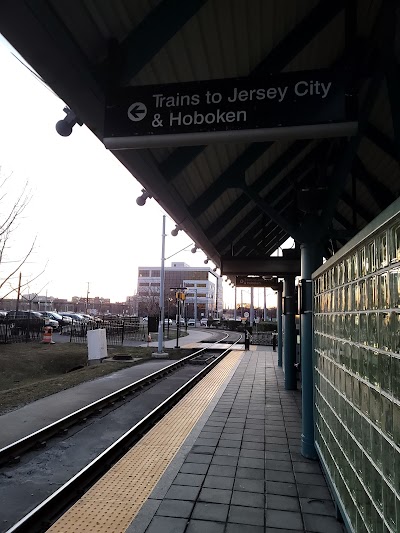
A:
[21, 329]
[118, 331]
[263, 338]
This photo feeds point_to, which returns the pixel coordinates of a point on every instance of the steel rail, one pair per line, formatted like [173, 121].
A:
[11, 453]
[46, 513]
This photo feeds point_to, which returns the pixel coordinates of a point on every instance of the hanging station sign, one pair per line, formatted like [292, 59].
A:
[258, 281]
[295, 104]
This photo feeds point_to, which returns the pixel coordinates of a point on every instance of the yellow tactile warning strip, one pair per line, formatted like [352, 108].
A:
[112, 503]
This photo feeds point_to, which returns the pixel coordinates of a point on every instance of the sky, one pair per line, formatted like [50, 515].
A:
[82, 209]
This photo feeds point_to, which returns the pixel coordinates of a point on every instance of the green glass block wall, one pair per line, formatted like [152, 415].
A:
[357, 377]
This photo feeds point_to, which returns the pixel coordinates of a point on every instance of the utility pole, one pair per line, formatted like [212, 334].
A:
[18, 292]
[87, 298]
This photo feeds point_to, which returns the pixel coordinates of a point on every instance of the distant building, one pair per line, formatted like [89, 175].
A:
[204, 288]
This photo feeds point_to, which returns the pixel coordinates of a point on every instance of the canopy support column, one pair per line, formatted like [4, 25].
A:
[289, 341]
[311, 259]
[279, 317]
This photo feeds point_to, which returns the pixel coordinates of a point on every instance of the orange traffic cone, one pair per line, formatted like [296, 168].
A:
[48, 335]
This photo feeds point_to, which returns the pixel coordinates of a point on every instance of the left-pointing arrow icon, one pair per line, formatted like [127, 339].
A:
[137, 111]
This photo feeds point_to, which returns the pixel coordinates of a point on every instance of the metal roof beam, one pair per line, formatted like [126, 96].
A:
[301, 35]
[382, 141]
[360, 210]
[393, 86]
[230, 178]
[178, 160]
[253, 240]
[381, 194]
[344, 222]
[152, 33]
[280, 164]
[254, 213]
[279, 57]
[344, 164]
[280, 238]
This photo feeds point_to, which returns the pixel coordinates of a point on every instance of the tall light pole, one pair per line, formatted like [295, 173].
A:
[235, 310]
[162, 275]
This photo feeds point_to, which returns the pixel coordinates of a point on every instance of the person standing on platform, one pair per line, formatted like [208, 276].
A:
[274, 341]
[247, 339]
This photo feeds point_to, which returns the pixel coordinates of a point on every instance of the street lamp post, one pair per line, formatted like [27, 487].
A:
[162, 275]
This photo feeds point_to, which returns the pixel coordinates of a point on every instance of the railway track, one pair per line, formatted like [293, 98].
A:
[46, 512]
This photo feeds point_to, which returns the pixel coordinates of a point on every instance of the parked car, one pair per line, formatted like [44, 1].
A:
[203, 321]
[76, 317]
[62, 320]
[168, 321]
[191, 322]
[145, 319]
[48, 321]
[181, 321]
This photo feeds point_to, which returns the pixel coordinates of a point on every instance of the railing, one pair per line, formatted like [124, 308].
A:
[21, 329]
[118, 331]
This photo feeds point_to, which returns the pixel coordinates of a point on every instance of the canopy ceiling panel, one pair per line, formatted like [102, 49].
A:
[83, 50]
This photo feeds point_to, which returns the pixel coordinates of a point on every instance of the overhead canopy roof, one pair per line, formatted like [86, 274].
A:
[240, 199]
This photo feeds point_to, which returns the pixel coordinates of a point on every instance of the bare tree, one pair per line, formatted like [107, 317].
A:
[9, 223]
[149, 302]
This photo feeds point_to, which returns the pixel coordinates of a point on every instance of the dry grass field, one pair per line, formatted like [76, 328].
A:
[29, 371]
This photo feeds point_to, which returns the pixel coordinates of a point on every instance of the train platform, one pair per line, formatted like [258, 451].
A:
[225, 459]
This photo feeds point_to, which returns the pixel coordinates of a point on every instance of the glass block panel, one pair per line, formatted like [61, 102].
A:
[394, 288]
[384, 342]
[394, 243]
[395, 372]
[361, 431]
[384, 372]
[383, 250]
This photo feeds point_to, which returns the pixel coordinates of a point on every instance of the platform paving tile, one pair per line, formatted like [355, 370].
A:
[222, 470]
[193, 480]
[250, 473]
[253, 438]
[247, 499]
[310, 479]
[245, 472]
[224, 460]
[163, 524]
[182, 492]
[251, 462]
[307, 468]
[203, 449]
[257, 454]
[218, 482]
[284, 503]
[318, 523]
[230, 443]
[252, 516]
[231, 452]
[249, 485]
[283, 466]
[289, 519]
[216, 512]
[198, 458]
[243, 528]
[176, 508]
[194, 468]
[238, 435]
[202, 526]
[209, 435]
[319, 507]
[215, 495]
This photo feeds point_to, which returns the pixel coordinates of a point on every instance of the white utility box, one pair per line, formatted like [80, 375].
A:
[97, 345]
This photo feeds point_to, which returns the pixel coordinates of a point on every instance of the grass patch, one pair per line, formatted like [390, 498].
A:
[29, 371]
